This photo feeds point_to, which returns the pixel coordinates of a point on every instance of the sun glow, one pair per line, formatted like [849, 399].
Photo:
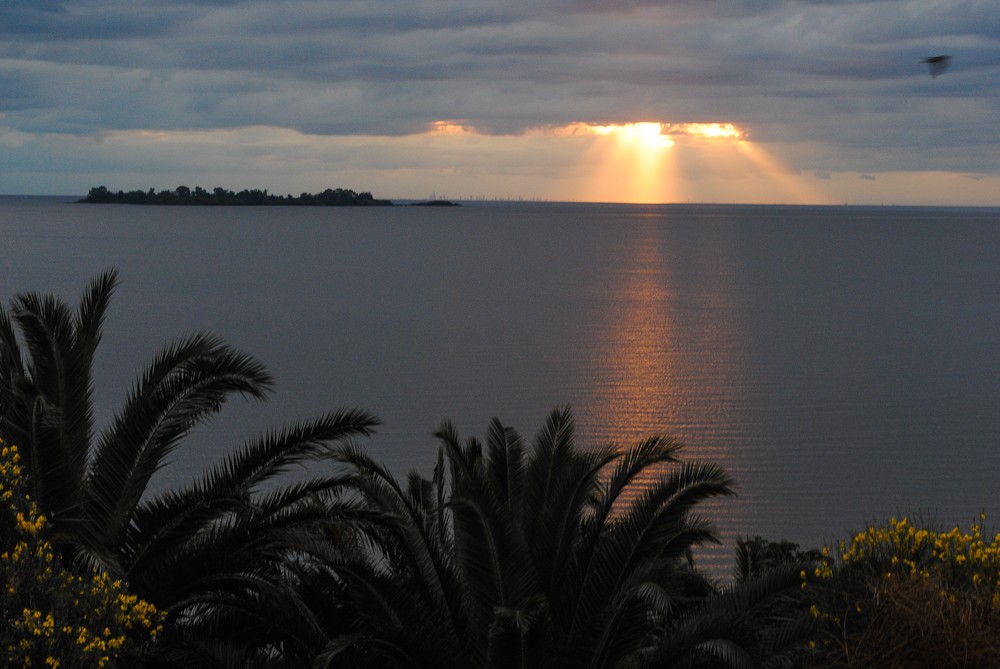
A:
[656, 162]
[657, 135]
[450, 128]
[706, 130]
[642, 162]
[648, 134]
[628, 162]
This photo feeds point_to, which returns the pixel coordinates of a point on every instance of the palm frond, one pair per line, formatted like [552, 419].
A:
[465, 461]
[46, 325]
[560, 483]
[176, 570]
[94, 303]
[11, 363]
[274, 453]
[662, 511]
[619, 634]
[395, 621]
[632, 464]
[410, 542]
[506, 464]
[257, 613]
[743, 624]
[14, 400]
[495, 567]
[61, 401]
[187, 381]
[154, 527]
[624, 483]
[731, 655]
[657, 526]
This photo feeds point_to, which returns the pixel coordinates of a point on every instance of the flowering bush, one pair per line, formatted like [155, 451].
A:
[52, 617]
[898, 595]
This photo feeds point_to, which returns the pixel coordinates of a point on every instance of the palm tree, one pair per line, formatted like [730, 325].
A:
[507, 556]
[759, 619]
[217, 555]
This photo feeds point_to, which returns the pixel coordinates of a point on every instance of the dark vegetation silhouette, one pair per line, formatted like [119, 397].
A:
[182, 195]
[548, 555]
[510, 554]
[217, 554]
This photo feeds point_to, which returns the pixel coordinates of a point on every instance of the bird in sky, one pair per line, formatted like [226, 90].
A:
[938, 64]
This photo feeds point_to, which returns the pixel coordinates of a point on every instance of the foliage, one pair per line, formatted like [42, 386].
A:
[218, 554]
[52, 617]
[899, 595]
[548, 556]
[509, 554]
[759, 619]
[757, 555]
[182, 195]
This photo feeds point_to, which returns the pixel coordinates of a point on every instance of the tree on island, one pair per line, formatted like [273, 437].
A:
[183, 195]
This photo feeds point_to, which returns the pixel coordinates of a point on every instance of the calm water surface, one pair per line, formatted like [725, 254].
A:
[842, 363]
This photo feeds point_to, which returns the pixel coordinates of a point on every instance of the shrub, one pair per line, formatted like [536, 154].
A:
[902, 596]
[51, 616]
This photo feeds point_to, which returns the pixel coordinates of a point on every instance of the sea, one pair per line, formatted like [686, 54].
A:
[841, 363]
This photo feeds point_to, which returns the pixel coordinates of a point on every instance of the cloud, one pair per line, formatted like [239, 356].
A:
[453, 159]
[835, 86]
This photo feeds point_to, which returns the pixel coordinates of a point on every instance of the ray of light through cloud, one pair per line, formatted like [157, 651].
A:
[636, 101]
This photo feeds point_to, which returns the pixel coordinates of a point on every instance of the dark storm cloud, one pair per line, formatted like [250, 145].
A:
[844, 74]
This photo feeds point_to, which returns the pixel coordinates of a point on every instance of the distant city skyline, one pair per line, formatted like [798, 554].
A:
[779, 101]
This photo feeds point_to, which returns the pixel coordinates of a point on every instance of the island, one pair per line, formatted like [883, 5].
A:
[182, 195]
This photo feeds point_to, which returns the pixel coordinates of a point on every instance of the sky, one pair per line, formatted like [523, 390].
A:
[758, 101]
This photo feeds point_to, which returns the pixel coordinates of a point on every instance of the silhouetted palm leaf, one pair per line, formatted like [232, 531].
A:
[542, 557]
[220, 555]
[48, 395]
[748, 623]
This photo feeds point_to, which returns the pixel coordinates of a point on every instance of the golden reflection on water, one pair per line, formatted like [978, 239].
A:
[638, 393]
[663, 364]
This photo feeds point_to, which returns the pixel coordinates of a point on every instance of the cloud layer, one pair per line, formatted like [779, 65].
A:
[838, 85]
